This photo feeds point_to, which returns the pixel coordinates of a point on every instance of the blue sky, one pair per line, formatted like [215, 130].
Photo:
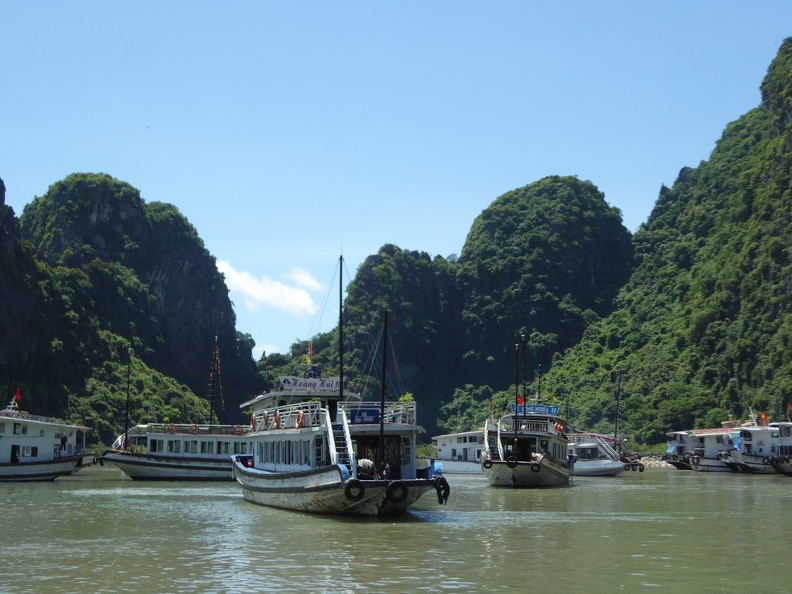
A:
[291, 132]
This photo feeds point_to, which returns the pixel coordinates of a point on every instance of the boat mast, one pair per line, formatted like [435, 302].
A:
[618, 401]
[215, 373]
[126, 417]
[516, 390]
[382, 391]
[340, 334]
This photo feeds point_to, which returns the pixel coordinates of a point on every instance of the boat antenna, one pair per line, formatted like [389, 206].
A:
[382, 391]
[126, 417]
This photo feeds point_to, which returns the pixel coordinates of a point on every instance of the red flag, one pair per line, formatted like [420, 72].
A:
[789, 407]
[519, 399]
[18, 395]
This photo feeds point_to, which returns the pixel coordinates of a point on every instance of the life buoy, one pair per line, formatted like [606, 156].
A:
[300, 417]
[193, 428]
[238, 430]
[277, 419]
[487, 463]
[765, 461]
[634, 466]
[640, 467]
[396, 492]
[535, 467]
[442, 488]
[674, 458]
[511, 462]
[253, 422]
[695, 460]
[354, 489]
[720, 456]
[171, 428]
[627, 467]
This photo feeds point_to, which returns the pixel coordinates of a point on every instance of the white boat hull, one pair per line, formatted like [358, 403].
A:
[41, 471]
[546, 472]
[325, 490]
[751, 464]
[170, 468]
[702, 464]
[601, 467]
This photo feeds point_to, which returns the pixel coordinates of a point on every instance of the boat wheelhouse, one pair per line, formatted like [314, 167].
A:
[754, 449]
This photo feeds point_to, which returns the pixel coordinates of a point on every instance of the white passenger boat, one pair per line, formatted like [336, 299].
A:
[782, 461]
[678, 452]
[178, 452]
[459, 453]
[711, 449]
[755, 448]
[527, 448]
[314, 451]
[596, 455]
[38, 448]
[181, 451]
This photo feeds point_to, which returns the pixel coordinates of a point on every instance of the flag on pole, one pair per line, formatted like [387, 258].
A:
[17, 398]
[520, 400]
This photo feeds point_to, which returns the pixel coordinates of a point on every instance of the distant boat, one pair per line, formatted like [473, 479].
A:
[319, 449]
[181, 451]
[38, 448]
[597, 455]
[458, 453]
[527, 448]
[178, 452]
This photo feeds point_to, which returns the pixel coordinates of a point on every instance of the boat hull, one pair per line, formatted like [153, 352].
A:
[543, 473]
[41, 471]
[325, 490]
[601, 467]
[702, 464]
[169, 468]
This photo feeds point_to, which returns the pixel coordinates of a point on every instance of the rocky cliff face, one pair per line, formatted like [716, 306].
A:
[17, 296]
[90, 217]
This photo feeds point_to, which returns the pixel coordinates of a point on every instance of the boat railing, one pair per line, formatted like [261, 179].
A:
[369, 412]
[290, 416]
[531, 426]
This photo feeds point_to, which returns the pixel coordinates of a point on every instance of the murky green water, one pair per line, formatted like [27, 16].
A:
[662, 530]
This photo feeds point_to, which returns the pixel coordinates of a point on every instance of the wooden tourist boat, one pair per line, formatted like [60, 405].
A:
[527, 448]
[313, 453]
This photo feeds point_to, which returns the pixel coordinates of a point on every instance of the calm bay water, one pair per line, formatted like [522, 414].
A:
[658, 530]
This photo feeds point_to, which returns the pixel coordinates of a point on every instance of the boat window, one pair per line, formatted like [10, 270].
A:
[206, 447]
[17, 428]
[191, 446]
[174, 446]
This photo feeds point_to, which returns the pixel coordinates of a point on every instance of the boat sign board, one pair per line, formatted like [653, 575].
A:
[534, 409]
[317, 384]
[364, 416]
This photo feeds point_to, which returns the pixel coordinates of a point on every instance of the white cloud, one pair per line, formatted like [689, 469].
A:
[304, 279]
[265, 292]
